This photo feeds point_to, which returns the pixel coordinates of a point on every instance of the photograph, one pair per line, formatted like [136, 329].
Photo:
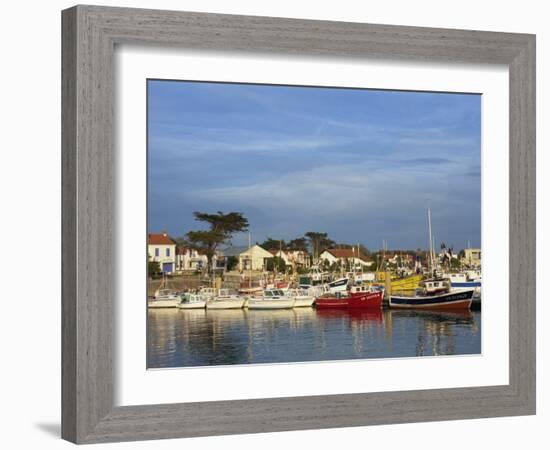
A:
[293, 224]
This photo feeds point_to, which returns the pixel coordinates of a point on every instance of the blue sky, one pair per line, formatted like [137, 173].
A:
[361, 165]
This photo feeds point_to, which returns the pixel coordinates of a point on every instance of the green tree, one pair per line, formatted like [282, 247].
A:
[232, 262]
[276, 263]
[273, 244]
[297, 244]
[221, 228]
[319, 242]
[153, 268]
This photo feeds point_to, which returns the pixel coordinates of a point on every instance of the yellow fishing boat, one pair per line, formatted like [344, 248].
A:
[406, 284]
[409, 283]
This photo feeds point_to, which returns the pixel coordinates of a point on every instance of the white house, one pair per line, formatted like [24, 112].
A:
[188, 259]
[293, 258]
[253, 258]
[162, 249]
[472, 257]
[347, 256]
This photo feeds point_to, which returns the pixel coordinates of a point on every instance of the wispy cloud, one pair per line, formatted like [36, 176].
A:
[360, 165]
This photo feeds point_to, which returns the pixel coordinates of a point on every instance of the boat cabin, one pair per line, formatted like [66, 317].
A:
[360, 289]
[274, 293]
[435, 286]
[208, 292]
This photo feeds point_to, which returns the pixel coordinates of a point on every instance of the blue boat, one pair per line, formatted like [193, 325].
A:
[435, 294]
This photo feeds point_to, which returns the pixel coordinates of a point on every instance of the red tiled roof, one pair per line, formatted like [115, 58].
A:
[160, 239]
[347, 253]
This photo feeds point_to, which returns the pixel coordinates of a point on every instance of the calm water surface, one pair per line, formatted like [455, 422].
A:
[182, 338]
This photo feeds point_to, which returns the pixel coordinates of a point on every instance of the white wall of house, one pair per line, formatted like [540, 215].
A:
[190, 260]
[164, 255]
[472, 256]
[358, 262]
[298, 258]
[327, 256]
[256, 256]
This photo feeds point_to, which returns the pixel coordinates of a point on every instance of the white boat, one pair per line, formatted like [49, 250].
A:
[271, 299]
[208, 292]
[316, 291]
[192, 301]
[339, 285]
[226, 299]
[301, 297]
[164, 298]
[469, 280]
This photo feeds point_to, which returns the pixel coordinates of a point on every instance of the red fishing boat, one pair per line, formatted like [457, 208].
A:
[363, 297]
[359, 297]
[336, 300]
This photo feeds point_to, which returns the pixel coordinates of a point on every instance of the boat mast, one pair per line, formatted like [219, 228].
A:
[430, 239]
[250, 261]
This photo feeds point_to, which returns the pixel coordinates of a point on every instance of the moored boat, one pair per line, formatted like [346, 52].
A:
[363, 297]
[339, 285]
[409, 283]
[254, 290]
[335, 300]
[271, 299]
[165, 298]
[434, 294]
[226, 299]
[192, 301]
[301, 297]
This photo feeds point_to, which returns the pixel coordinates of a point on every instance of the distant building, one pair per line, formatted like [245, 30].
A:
[472, 257]
[347, 256]
[404, 258]
[293, 258]
[188, 259]
[161, 248]
[253, 258]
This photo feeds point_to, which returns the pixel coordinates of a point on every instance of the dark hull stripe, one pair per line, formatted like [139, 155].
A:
[467, 284]
[438, 299]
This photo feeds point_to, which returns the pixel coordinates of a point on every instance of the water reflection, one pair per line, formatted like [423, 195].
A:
[180, 338]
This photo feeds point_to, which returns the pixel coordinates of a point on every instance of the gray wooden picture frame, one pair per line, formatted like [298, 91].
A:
[90, 34]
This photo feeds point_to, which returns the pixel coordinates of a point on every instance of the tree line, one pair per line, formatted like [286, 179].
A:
[222, 226]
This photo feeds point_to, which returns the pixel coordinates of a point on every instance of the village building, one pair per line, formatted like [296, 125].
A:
[161, 248]
[190, 260]
[347, 257]
[472, 257]
[293, 258]
[400, 257]
[253, 258]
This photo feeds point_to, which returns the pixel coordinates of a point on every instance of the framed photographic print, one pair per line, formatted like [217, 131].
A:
[312, 224]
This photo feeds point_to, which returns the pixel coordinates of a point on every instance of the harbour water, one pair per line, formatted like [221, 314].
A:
[185, 338]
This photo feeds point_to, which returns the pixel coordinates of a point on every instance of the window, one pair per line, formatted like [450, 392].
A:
[156, 252]
[167, 252]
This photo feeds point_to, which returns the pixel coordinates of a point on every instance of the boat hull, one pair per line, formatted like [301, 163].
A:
[331, 302]
[368, 300]
[304, 302]
[169, 303]
[270, 304]
[192, 305]
[458, 300]
[225, 304]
